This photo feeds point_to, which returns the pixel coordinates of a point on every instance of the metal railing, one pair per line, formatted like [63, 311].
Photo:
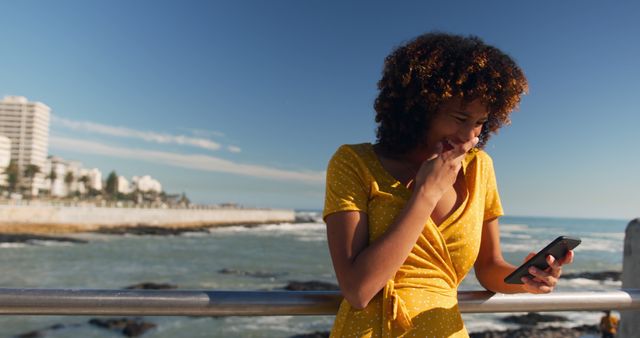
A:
[273, 303]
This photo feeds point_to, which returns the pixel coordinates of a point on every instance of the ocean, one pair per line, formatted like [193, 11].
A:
[264, 257]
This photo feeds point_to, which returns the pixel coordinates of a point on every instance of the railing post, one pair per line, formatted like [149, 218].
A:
[630, 321]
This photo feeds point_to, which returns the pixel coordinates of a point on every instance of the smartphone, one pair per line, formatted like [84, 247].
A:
[558, 249]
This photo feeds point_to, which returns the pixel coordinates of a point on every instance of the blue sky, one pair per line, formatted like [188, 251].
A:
[245, 101]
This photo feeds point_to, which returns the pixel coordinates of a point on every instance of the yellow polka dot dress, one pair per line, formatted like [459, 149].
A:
[421, 299]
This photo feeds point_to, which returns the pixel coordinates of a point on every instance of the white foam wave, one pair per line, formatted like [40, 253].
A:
[195, 234]
[521, 247]
[600, 245]
[279, 323]
[229, 229]
[486, 322]
[305, 232]
[50, 243]
[608, 235]
[581, 283]
[514, 227]
[12, 245]
[509, 235]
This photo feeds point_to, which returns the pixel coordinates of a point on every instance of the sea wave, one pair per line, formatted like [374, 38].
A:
[12, 245]
[591, 283]
[279, 323]
[514, 227]
[50, 243]
[600, 245]
[608, 235]
[509, 235]
[306, 232]
[492, 322]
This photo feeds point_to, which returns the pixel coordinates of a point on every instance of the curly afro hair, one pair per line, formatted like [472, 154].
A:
[433, 68]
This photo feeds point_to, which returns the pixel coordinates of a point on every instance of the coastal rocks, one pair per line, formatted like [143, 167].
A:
[311, 286]
[599, 276]
[533, 318]
[130, 327]
[149, 230]
[37, 239]
[307, 217]
[151, 286]
[42, 332]
[255, 274]
[547, 332]
[316, 334]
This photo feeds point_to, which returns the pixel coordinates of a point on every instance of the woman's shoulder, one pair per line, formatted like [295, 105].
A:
[354, 151]
[479, 155]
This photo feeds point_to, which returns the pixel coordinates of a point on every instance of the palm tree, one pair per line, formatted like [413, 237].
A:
[68, 179]
[111, 187]
[30, 172]
[85, 179]
[12, 175]
[52, 178]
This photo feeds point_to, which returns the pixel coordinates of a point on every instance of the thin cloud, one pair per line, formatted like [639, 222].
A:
[148, 136]
[204, 133]
[199, 162]
[234, 149]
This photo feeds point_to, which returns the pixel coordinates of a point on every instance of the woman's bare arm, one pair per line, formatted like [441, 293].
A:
[491, 268]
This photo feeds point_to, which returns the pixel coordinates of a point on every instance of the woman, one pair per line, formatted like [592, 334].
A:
[408, 217]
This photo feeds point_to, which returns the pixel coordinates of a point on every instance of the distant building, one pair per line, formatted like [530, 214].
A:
[123, 185]
[63, 178]
[55, 170]
[5, 158]
[146, 184]
[95, 179]
[26, 124]
[72, 177]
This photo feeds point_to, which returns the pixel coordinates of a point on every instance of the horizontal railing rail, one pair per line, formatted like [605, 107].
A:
[273, 303]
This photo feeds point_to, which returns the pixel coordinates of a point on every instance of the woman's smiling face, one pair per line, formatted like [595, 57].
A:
[456, 123]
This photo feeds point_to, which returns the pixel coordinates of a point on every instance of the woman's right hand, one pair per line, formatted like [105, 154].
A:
[438, 173]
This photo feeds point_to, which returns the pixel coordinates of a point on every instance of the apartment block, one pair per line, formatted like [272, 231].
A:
[26, 124]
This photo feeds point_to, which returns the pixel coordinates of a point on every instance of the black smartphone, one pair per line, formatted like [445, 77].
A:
[558, 249]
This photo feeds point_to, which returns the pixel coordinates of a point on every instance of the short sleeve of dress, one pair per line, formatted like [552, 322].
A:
[346, 189]
[492, 205]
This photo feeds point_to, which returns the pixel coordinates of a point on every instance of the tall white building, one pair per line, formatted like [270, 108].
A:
[5, 158]
[26, 124]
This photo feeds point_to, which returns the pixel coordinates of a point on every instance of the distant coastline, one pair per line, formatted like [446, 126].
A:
[60, 219]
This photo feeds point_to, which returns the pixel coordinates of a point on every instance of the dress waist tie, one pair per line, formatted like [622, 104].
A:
[394, 310]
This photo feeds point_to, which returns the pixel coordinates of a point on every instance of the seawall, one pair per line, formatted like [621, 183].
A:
[67, 219]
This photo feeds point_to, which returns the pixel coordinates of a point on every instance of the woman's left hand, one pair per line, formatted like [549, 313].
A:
[544, 281]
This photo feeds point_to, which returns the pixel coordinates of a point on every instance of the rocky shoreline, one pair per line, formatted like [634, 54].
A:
[137, 230]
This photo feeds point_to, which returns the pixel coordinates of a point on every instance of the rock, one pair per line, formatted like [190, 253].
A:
[316, 334]
[256, 274]
[33, 239]
[31, 334]
[307, 218]
[42, 332]
[127, 326]
[601, 275]
[311, 286]
[532, 319]
[548, 332]
[148, 230]
[151, 286]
